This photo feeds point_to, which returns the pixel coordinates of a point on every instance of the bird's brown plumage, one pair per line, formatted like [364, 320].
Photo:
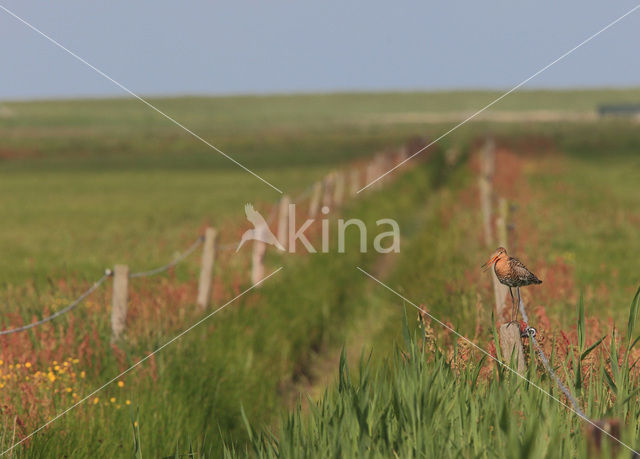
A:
[511, 272]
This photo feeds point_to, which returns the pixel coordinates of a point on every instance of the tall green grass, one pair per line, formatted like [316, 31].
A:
[429, 404]
[252, 354]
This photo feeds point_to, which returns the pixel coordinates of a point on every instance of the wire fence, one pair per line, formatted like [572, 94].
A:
[545, 362]
[305, 194]
[178, 259]
[71, 306]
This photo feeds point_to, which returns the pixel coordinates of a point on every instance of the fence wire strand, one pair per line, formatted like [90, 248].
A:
[171, 264]
[108, 273]
[545, 362]
[73, 305]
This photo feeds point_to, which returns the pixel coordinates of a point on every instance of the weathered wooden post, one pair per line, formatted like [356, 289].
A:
[484, 182]
[354, 181]
[316, 195]
[379, 170]
[370, 174]
[119, 301]
[206, 268]
[338, 189]
[485, 203]
[257, 258]
[283, 221]
[404, 153]
[451, 156]
[510, 341]
[511, 346]
[502, 222]
[329, 183]
[597, 437]
[489, 158]
[499, 289]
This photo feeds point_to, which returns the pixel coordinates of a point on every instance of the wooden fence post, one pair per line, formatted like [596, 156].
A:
[511, 346]
[354, 181]
[206, 268]
[257, 259]
[370, 173]
[329, 184]
[338, 189]
[596, 438]
[380, 169]
[510, 341]
[404, 153]
[502, 221]
[119, 301]
[316, 195]
[451, 156]
[488, 166]
[499, 289]
[283, 221]
[485, 203]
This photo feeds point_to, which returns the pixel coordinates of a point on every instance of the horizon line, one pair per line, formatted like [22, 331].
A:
[311, 92]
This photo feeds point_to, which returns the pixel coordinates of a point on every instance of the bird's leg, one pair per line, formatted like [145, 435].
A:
[512, 302]
[519, 301]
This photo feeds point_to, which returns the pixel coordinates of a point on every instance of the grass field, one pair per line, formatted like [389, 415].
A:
[122, 181]
[93, 183]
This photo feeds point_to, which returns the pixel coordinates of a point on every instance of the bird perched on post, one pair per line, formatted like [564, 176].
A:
[512, 273]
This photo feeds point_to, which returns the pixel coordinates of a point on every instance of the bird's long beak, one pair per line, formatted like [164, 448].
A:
[489, 262]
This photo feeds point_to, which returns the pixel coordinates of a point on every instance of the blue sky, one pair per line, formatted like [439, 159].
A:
[204, 47]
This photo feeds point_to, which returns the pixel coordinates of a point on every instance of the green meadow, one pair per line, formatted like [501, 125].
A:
[90, 183]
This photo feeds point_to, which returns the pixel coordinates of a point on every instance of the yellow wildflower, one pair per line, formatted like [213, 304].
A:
[51, 377]
[128, 402]
[27, 364]
[135, 424]
[120, 383]
[112, 399]
[18, 365]
[96, 400]
[69, 389]
[82, 374]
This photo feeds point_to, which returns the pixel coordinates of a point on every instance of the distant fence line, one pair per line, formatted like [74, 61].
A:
[333, 190]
